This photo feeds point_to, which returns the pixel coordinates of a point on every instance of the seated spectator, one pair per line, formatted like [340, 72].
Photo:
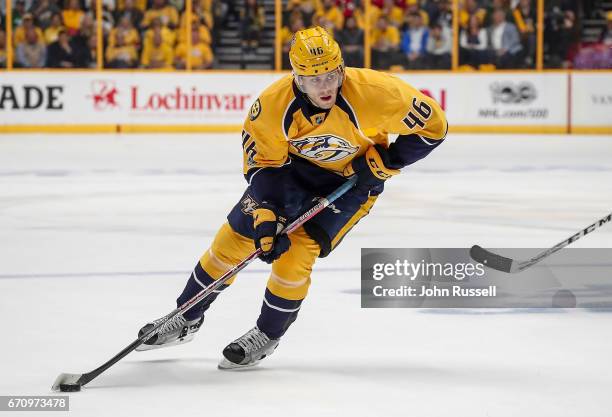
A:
[393, 12]
[44, 10]
[561, 34]
[351, 42]
[201, 54]
[332, 13]
[168, 36]
[525, 18]
[252, 21]
[72, 16]
[19, 11]
[307, 7]
[32, 52]
[439, 47]
[134, 13]
[27, 23]
[2, 48]
[157, 54]
[385, 44]
[81, 41]
[412, 7]
[328, 25]
[52, 31]
[59, 52]
[473, 44]
[138, 4]
[414, 42]
[471, 8]
[498, 4]
[199, 16]
[445, 14]
[203, 32]
[166, 14]
[606, 35]
[121, 54]
[505, 41]
[129, 33]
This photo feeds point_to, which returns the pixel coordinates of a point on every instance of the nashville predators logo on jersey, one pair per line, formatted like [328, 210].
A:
[255, 110]
[324, 148]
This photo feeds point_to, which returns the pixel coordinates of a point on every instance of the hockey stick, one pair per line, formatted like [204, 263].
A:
[73, 382]
[501, 263]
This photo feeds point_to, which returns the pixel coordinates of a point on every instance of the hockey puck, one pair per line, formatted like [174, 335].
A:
[564, 299]
[70, 387]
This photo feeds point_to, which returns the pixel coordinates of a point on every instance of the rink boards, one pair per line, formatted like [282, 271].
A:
[121, 101]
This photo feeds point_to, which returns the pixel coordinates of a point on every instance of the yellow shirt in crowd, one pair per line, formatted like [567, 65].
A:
[125, 53]
[168, 16]
[391, 34]
[202, 31]
[72, 18]
[19, 35]
[157, 57]
[168, 37]
[131, 36]
[201, 54]
[139, 4]
[334, 15]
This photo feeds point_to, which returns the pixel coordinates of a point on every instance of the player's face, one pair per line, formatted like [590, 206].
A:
[322, 89]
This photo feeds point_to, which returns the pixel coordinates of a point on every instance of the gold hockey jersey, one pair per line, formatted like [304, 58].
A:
[370, 105]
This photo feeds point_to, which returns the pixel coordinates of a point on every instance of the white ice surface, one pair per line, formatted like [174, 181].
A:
[99, 233]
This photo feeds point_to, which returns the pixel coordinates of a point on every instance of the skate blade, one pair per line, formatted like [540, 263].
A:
[145, 347]
[226, 365]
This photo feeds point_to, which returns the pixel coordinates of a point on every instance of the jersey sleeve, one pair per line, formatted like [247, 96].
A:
[265, 152]
[414, 112]
[419, 121]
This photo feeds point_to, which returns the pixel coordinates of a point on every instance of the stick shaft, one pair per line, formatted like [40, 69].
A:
[321, 204]
[566, 242]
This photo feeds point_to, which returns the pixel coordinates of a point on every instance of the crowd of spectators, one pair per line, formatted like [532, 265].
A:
[417, 34]
[148, 34]
[409, 34]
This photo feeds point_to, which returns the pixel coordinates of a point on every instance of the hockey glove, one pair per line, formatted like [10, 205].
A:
[267, 224]
[372, 168]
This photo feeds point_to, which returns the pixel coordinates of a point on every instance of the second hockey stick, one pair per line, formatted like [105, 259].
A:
[509, 265]
[73, 382]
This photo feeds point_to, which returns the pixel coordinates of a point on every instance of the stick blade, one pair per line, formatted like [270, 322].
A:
[68, 380]
[490, 259]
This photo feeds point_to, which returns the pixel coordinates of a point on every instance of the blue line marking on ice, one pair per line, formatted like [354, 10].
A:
[143, 273]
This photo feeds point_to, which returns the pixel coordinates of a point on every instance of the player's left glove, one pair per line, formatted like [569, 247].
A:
[267, 224]
[371, 168]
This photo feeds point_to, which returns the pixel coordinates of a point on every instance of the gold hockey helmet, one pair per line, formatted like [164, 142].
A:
[314, 52]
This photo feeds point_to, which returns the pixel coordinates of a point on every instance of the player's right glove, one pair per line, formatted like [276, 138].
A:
[267, 224]
[371, 168]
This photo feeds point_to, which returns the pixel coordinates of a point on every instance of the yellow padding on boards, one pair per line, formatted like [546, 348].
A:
[228, 249]
[290, 277]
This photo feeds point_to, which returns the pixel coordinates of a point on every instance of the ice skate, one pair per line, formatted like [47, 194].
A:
[247, 350]
[175, 331]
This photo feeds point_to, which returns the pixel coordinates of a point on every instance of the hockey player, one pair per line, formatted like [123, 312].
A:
[302, 138]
